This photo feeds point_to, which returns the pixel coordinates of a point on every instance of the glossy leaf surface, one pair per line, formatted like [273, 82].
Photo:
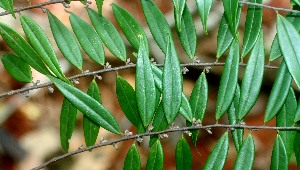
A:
[228, 80]
[17, 68]
[8, 5]
[156, 157]
[279, 160]
[231, 9]
[183, 155]
[108, 34]
[179, 6]
[88, 106]
[99, 4]
[132, 159]
[65, 41]
[297, 148]
[203, 7]
[245, 158]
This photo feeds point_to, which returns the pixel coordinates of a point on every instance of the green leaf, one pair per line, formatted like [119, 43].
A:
[99, 4]
[279, 92]
[228, 80]
[289, 41]
[21, 47]
[108, 34]
[156, 157]
[237, 134]
[187, 35]
[40, 42]
[83, 2]
[279, 158]
[179, 7]
[88, 39]
[285, 118]
[231, 10]
[132, 159]
[157, 23]
[252, 26]
[91, 129]
[91, 108]
[17, 68]
[8, 5]
[253, 77]
[218, 155]
[171, 83]
[130, 27]
[145, 86]
[159, 123]
[297, 115]
[65, 41]
[183, 155]
[204, 9]
[67, 123]
[185, 108]
[297, 148]
[245, 158]
[127, 100]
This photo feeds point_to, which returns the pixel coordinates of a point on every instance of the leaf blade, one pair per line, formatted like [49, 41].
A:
[279, 159]
[132, 159]
[183, 155]
[155, 159]
[245, 158]
[203, 7]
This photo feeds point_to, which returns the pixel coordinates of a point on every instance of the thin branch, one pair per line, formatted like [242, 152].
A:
[183, 129]
[94, 73]
[269, 7]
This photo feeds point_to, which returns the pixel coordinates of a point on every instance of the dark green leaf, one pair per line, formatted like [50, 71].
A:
[83, 2]
[297, 115]
[228, 80]
[99, 4]
[21, 47]
[108, 34]
[204, 9]
[91, 108]
[171, 83]
[289, 41]
[285, 118]
[40, 42]
[157, 23]
[91, 129]
[65, 41]
[156, 157]
[145, 86]
[297, 148]
[8, 5]
[218, 155]
[245, 158]
[231, 9]
[17, 68]
[279, 92]
[132, 160]
[67, 123]
[88, 39]
[183, 155]
[279, 160]
[179, 6]
[252, 78]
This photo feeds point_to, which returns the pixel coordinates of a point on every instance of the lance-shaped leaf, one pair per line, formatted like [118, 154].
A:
[171, 83]
[145, 86]
[183, 155]
[91, 108]
[297, 115]
[8, 5]
[132, 159]
[91, 129]
[130, 27]
[108, 34]
[179, 6]
[157, 23]
[252, 78]
[289, 41]
[40, 42]
[187, 35]
[159, 123]
[156, 157]
[67, 123]
[17, 68]
[228, 80]
[88, 39]
[279, 158]
[231, 9]
[218, 155]
[297, 148]
[99, 4]
[252, 26]
[279, 92]
[245, 158]
[237, 134]
[127, 100]
[21, 47]
[285, 118]
[185, 108]
[65, 41]
[204, 9]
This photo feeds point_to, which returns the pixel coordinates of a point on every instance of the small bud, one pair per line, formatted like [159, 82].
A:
[164, 135]
[115, 146]
[150, 127]
[86, 71]
[51, 90]
[139, 139]
[209, 131]
[196, 60]
[185, 70]
[98, 77]
[66, 5]
[75, 81]
[44, 9]
[207, 69]
[189, 133]
[127, 133]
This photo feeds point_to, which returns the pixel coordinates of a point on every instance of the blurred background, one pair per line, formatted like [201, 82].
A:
[29, 122]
